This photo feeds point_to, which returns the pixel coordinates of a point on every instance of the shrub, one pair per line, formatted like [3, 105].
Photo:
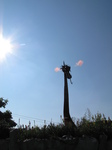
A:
[6, 121]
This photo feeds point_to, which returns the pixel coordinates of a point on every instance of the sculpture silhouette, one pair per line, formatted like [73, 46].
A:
[67, 119]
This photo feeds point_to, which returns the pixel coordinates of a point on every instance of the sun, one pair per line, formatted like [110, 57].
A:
[5, 47]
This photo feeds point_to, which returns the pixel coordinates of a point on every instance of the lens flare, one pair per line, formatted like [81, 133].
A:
[79, 63]
[57, 69]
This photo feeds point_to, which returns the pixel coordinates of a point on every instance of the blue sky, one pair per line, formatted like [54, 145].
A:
[47, 32]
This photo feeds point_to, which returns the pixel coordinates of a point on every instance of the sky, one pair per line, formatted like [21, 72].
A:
[45, 33]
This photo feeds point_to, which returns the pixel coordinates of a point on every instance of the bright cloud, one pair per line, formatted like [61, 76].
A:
[79, 63]
[57, 69]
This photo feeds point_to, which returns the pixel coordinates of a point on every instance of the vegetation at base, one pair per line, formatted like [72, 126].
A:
[95, 125]
[88, 125]
[51, 131]
[6, 121]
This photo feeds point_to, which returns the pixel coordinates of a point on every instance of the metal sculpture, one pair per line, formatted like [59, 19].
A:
[67, 119]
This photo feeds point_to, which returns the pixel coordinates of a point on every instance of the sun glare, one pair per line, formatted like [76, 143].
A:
[5, 47]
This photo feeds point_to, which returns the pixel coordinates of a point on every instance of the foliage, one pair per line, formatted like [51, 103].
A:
[3, 102]
[95, 125]
[91, 125]
[88, 125]
[6, 121]
[46, 132]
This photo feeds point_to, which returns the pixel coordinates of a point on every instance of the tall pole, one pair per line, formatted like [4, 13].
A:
[67, 119]
[66, 99]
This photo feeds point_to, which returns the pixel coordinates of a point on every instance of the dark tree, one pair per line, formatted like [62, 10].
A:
[6, 121]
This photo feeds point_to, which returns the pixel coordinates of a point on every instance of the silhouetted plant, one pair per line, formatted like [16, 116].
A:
[95, 125]
[6, 121]
[88, 125]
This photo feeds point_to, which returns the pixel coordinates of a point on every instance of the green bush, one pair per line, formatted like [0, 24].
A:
[88, 125]
[6, 121]
[95, 125]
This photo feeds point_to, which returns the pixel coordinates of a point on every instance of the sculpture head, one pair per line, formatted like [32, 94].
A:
[66, 70]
